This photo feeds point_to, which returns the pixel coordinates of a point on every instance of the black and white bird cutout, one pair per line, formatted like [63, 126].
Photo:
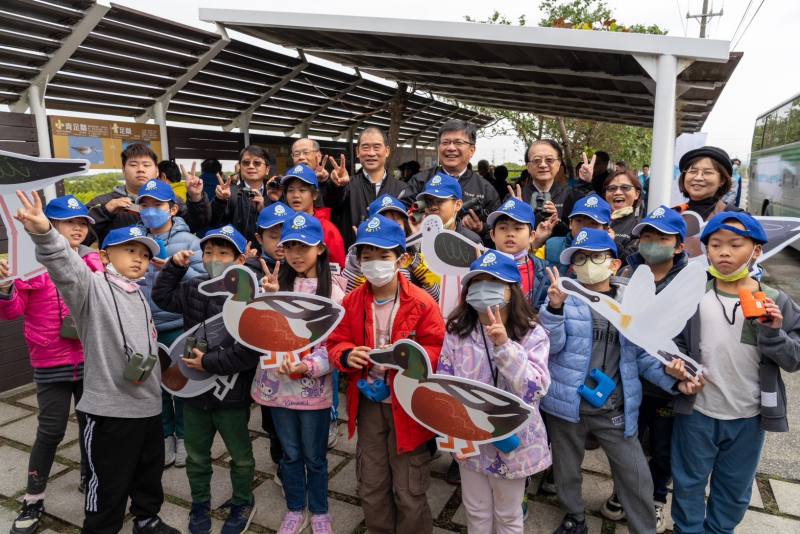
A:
[446, 252]
[27, 173]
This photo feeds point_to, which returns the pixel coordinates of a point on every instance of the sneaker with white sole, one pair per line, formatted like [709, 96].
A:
[294, 522]
[612, 509]
[661, 518]
[180, 453]
[169, 450]
[333, 434]
[321, 524]
[28, 519]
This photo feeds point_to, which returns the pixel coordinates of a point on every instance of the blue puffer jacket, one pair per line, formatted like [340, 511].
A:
[177, 239]
[570, 354]
[553, 248]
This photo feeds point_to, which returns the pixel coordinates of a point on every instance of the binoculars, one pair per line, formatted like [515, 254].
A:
[753, 304]
[68, 329]
[417, 211]
[539, 200]
[194, 343]
[139, 367]
[598, 395]
[377, 391]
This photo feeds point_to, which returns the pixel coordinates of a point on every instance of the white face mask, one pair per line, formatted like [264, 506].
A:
[379, 272]
[113, 270]
[591, 273]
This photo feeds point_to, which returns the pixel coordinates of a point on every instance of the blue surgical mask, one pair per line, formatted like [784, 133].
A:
[154, 218]
[486, 294]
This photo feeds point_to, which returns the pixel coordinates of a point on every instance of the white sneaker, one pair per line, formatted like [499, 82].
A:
[180, 453]
[169, 450]
[333, 434]
[661, 518]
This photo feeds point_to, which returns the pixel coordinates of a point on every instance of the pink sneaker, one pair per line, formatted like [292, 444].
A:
[293, 523]
[322, 524]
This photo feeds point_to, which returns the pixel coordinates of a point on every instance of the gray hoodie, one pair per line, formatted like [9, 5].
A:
[89, 297]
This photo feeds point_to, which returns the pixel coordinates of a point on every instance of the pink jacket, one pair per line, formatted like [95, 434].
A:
[314, 391]
[36, 300]
[522, 371]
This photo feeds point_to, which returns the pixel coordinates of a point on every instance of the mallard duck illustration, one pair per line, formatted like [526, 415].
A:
[465, 413]
[273, 323]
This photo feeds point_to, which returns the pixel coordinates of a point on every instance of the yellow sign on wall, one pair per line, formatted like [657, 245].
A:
[99, 141]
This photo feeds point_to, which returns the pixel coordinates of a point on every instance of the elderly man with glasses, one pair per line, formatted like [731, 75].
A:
[456, 148]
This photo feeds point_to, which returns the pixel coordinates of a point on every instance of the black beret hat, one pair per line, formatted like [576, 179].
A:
[715, 153]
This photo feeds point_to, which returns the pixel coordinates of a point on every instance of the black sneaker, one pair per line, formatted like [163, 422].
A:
[28, 519]
[453, 475]
[570, 525]
[154, 525]
[238, 518]
[612, 509]
[200, 518]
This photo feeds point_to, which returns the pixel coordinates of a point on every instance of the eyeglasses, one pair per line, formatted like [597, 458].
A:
[598, 258]
[625, 188]
[705, 173]
[458, 143]
[547, 161]
[252, 163]
[303, 153]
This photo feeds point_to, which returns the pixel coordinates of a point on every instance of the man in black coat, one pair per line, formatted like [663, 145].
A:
[349, 198]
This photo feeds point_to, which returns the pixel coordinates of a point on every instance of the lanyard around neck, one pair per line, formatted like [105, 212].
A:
[125, 347]
[492, 369]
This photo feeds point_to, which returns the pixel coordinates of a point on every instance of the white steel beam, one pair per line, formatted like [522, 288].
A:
[662, 160]
[187, 76]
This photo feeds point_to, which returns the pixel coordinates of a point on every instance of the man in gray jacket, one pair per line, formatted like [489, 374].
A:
[122, 379]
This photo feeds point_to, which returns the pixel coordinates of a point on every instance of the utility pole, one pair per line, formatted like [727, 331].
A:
[704, 17]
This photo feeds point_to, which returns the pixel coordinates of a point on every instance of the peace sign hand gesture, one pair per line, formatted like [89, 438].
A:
[340, 175]
[194, 184]
[515, 191]
[31, 214]
[587, 169]
[223, 190]
[557, 297]
[496, 330]
[322, 174]
[270, 282]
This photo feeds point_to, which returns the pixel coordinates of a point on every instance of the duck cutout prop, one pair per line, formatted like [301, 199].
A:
[781, 232]
[448, 254]
[464, 413]
[181, 381]
[280, 324]
[27, 173]
[648, 319]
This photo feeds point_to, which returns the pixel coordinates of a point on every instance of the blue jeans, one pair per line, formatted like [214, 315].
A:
[335, 405]
[728, 451]
[304, 465]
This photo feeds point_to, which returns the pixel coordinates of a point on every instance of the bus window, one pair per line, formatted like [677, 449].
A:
[769, 129]
[793, 128]
[758, 134]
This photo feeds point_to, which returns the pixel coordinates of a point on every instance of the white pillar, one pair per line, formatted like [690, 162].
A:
[661, 163]
[160, 116]
[36, 103]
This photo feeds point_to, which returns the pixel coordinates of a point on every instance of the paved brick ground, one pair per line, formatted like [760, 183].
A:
[775, 504]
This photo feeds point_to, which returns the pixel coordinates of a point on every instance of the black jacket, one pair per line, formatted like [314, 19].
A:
[627, 243]
[564, 198]
[473, 186]
[349, 203]
[172, 294]
[238, 211]
[196, 214]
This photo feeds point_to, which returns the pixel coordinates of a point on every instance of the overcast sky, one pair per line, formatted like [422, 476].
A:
[767, 74]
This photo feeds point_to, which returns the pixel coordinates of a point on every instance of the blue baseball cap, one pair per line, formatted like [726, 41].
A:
[229, 234]
[589, 239]
[273, 215]
[593, 207]
[119, 236]
[494, 263]
[302, 227]
[441, 186]
[65, 208]
[158, 190]
[664, 219]
[378, 231]
[515, 209]
[386, 203]
[302, 172]
[752, 228]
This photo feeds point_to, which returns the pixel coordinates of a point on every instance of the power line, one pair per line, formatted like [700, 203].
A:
[744, 15]
[680, 17]
[748, 25]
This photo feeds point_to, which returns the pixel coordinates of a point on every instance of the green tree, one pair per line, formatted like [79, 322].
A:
[628, 143]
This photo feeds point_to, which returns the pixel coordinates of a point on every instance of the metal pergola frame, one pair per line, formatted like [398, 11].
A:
[669, 83]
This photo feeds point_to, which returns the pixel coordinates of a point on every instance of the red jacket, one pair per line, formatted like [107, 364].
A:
[418, 318]
[332, 236]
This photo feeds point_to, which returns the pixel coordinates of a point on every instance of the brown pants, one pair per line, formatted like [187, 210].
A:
[392, 486]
